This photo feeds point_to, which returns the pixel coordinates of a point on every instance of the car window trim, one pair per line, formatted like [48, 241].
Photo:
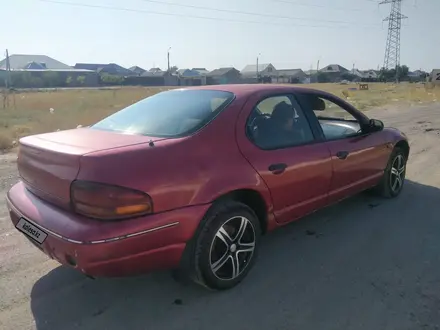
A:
[344, 106]
[296, 105]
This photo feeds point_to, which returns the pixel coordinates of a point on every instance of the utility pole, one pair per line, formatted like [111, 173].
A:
[8, 72]
[392, 48]
[168, 59]
[257, 66]
[8, 84]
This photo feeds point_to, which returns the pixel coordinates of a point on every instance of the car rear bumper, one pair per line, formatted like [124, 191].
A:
[107, 249]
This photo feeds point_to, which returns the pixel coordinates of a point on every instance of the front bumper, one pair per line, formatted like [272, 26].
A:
[107, 249]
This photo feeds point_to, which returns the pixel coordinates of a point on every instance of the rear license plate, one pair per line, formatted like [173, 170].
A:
[30, 230]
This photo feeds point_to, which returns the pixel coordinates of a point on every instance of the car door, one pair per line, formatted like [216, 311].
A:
[358, 159]
[296, 170]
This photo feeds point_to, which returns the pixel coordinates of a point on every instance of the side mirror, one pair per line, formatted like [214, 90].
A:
[374, 125]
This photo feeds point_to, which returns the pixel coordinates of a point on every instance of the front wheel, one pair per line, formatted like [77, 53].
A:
[394, 175]
[227, 245]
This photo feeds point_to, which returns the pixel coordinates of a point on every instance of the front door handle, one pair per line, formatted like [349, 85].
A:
[342, 154]
[277, 168]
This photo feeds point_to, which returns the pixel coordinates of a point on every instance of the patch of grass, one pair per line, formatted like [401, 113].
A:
[32, 112]
[6, 142]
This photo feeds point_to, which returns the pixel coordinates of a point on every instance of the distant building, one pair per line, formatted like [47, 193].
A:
[371, 74]
[311, 76]
[157, 77]
[45, 67]
[265, 72]
[111, 69]
[333, 68]
[40, 62]
[221, 76]
[364, 75]
[155, 70]
[189, 77]
[290, 76]
[417, 75]
[137, 70]
[201, 71]
[332, 72]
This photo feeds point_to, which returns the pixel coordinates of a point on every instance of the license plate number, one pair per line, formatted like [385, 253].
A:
[30, 230]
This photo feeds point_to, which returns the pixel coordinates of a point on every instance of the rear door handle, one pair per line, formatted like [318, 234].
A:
[277, 168]
[342, 154]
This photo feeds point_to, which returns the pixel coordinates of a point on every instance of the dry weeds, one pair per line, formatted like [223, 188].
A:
[32, 112]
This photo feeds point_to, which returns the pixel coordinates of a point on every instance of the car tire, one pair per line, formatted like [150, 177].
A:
[225, 247]
[393, 179]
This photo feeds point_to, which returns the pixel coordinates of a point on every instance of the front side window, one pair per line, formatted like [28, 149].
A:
[335, 121]
[277, 123]
[168, 114]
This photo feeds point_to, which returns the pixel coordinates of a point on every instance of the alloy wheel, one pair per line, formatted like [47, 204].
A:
[232, 248]
[397, 175]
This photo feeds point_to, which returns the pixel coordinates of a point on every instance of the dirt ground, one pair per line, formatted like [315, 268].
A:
[363, 264]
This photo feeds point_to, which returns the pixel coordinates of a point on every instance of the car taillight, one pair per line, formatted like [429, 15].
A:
[108, 202]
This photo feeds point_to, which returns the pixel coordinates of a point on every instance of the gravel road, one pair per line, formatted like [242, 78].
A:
[364, 264]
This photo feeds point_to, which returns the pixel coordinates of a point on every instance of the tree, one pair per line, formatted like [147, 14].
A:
[110, 79]
[173, 69]
[403, 72]
[80, 80]
[390, 75]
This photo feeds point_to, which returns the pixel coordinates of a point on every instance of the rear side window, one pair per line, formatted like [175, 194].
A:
[168, 114]
[276, 123]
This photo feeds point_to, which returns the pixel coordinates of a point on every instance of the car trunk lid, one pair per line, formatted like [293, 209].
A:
[48, 163]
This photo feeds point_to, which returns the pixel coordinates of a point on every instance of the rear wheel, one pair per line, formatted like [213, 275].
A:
[226, 246]
[394, 175]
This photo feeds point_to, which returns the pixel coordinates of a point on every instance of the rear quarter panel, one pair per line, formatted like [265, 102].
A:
[181, 172]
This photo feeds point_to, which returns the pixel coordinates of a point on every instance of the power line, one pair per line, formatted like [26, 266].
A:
[197, 16]
[243, 12]
[317, 6]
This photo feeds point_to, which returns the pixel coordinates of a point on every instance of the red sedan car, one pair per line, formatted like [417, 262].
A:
[189, 179]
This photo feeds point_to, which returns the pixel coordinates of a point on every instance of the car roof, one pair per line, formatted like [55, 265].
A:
[241, 90]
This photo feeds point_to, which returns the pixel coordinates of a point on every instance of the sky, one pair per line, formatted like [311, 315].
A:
[287, 33]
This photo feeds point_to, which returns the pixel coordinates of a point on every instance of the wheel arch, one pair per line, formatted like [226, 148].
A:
[404, 145]
[254, 200]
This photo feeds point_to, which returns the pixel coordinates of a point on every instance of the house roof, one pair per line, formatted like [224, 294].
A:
[416, 73]
[333, 68]
[137, 69]
[113, 67]
[220, 72]
[370, 74]
[188, 73]
[89, 66]
[251, 68]
[55, 70]
[153, 73]
[202, 71]
[21, 61]
[290, 72]
[358, 73]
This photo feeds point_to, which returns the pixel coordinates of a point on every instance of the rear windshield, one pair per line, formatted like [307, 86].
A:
[168, 114]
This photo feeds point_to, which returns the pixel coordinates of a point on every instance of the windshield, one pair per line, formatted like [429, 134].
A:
[168, 114]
